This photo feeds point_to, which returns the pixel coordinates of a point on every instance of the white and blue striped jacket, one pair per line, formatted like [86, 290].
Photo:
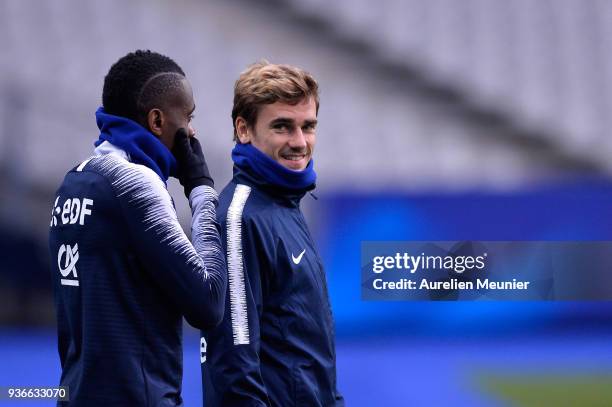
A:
[124, 275]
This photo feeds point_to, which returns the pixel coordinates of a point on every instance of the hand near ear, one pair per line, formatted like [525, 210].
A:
[192, 168]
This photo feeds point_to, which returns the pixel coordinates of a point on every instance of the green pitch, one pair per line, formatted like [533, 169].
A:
[557, 390]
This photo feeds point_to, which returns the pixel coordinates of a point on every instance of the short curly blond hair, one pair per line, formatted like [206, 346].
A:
[264, 83]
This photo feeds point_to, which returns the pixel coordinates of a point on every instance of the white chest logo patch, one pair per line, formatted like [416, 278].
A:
[72, 211]
[70, 256]
[298, 259]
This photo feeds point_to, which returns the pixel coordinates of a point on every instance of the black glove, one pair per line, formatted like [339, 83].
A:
[192, 168]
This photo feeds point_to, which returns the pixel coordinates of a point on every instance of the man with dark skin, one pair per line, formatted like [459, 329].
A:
[124, 272]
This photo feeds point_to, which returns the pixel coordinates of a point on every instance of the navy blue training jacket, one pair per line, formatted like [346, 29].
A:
[124, 274]
[275, 346]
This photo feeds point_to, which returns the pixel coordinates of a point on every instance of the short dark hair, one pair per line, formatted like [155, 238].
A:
[137, 82]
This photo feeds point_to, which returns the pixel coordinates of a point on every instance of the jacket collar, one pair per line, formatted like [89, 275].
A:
[140, 144]
[285, 196]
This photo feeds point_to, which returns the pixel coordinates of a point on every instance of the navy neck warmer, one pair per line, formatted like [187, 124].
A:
[248, 157]
[141, 145]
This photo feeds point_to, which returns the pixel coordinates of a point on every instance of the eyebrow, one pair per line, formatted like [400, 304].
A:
[286, 120]
[281, 120]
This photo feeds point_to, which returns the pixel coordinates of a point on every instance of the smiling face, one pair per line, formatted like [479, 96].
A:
[284, 132]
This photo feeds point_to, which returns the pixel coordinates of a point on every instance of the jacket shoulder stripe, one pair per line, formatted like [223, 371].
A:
[240, 320]
[146, 194]
[83, 164]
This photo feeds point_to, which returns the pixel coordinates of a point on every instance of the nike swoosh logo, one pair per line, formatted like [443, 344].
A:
[298, 259]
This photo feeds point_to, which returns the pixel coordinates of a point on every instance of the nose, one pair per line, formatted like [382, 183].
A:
[298, 140]
[191, 130]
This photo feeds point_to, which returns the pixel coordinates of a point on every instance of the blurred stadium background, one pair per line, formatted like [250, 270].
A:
[439, 120]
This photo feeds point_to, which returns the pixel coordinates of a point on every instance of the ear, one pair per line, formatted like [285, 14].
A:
[242, 130]
[155, 121]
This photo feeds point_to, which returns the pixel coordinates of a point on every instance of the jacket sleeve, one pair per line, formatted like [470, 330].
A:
[231, 371]
[194, 275]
